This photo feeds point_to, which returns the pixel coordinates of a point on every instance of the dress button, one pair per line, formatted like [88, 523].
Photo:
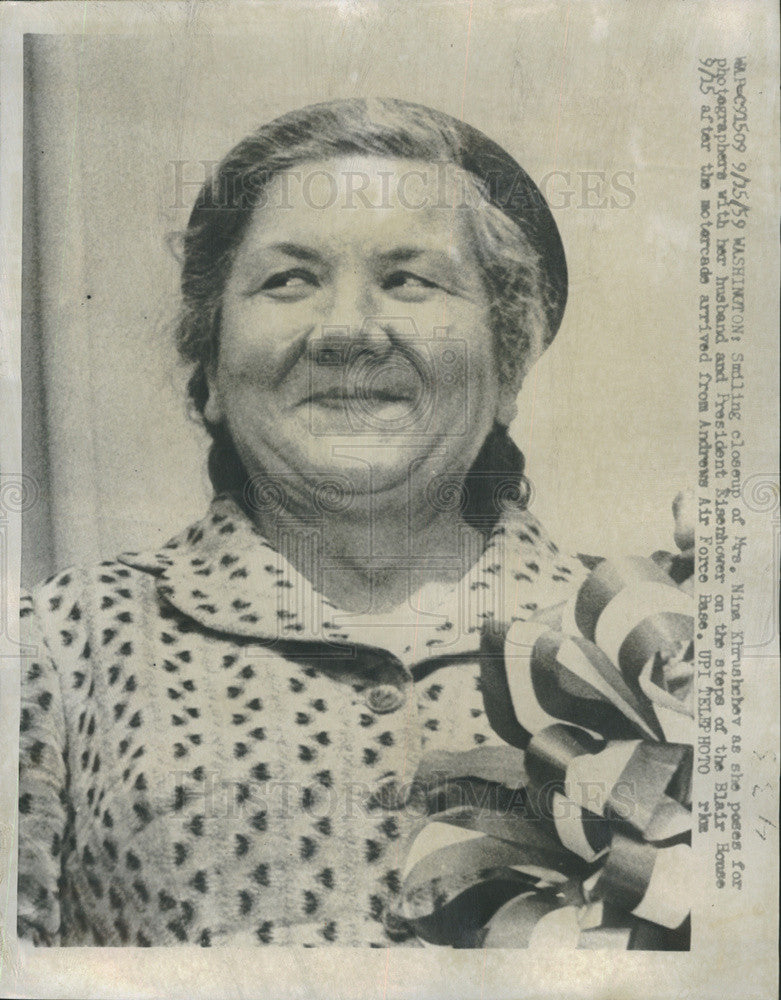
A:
[384, 698]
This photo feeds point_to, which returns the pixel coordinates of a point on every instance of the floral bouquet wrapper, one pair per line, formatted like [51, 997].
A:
[577, 833]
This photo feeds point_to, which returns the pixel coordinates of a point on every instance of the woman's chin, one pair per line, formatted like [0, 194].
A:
[371, 473]
[378, 471]
[381, 467]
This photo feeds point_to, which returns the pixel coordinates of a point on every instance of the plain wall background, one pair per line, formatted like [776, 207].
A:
[607, 418]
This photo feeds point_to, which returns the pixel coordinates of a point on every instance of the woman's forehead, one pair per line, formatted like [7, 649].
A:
[375, 201]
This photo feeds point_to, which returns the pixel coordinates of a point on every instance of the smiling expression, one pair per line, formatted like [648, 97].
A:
[355, 337]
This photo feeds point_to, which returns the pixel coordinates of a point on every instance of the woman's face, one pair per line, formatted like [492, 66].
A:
[355, 335]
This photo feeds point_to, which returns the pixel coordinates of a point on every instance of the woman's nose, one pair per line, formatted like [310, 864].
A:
[353, 312]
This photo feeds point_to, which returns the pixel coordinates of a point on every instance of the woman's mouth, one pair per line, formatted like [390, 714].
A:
[356, 399]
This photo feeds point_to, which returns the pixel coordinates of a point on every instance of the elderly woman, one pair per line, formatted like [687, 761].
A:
[237, 738]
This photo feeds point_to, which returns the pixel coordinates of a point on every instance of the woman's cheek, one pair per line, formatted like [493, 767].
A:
[255, 338]
[430, 318]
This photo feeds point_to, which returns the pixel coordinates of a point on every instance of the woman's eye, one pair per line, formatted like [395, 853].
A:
[409, 287]
[296, 283]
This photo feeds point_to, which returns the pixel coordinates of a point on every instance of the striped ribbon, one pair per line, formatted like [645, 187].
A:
[589, 845]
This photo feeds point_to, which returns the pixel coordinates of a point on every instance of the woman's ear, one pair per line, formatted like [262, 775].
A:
[507, 406]
[212, 411]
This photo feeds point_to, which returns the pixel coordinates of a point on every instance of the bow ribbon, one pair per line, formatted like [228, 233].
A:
[590, 845]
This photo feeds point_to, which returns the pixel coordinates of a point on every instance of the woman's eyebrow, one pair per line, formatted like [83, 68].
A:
[296, 250]
[443, 259]
[405, 253]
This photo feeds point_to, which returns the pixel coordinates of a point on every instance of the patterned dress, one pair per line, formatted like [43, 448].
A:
[212, 753]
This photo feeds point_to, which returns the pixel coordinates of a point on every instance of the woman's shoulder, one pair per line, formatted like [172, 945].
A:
[86, 606]
[535, 573]
[94, 608]
[68, 618]
[523, 530]
[119, 579]
[58, 596]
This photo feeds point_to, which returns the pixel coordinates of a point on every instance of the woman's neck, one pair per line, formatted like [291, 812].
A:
[372, 564]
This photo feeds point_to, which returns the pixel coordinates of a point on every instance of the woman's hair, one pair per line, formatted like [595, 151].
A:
[515, 239]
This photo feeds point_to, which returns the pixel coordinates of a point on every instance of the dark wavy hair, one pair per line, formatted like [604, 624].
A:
[515, 240]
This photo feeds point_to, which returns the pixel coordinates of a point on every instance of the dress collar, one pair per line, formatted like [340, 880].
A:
[223, 573]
